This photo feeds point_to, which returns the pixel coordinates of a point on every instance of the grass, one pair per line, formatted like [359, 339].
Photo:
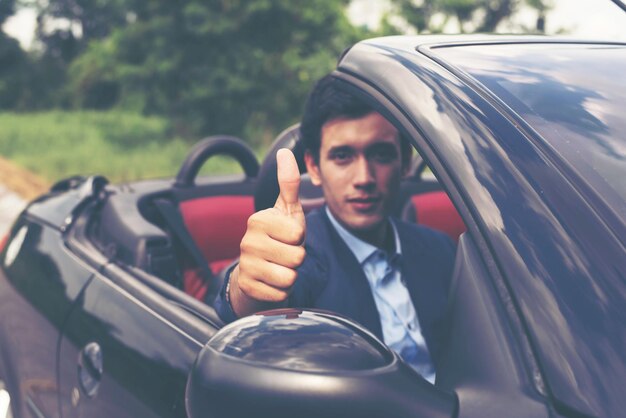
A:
[119, 145]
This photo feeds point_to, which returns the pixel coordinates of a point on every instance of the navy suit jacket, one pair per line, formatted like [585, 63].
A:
[331, 277]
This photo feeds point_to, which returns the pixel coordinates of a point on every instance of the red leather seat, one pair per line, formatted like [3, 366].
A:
[435, 210]
[217, 225]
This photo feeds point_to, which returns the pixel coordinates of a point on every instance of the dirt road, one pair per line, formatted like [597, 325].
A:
[21, 181]
[17, 186]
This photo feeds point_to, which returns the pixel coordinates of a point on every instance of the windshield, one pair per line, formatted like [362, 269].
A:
[573, 95]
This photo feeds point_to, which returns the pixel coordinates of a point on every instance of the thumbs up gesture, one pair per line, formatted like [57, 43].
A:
[272, 247]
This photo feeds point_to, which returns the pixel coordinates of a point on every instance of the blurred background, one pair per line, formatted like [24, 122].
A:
[125, 87]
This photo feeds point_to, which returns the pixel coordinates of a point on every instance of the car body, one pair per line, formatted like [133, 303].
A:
[525, 136]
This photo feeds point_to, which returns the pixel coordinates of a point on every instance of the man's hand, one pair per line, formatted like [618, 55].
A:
[272, 247]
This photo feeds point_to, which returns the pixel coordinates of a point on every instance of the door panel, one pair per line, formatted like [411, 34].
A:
[482, 361]
[124, 354]
[39, 282]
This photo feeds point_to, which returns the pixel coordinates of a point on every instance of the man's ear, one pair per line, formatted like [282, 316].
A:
[312, 168]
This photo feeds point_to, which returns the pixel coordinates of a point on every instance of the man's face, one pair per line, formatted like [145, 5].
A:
[359, 170]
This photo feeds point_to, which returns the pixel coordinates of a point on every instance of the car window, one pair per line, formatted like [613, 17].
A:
[577, 109]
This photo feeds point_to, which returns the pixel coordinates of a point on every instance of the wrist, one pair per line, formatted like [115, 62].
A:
[235, 297]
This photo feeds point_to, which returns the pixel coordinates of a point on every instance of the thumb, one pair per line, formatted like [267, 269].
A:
[289, 182]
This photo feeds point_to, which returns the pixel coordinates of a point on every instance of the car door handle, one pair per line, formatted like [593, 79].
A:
[90, 368]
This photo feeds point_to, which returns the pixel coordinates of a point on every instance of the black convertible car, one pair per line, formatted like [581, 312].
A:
[102, 286]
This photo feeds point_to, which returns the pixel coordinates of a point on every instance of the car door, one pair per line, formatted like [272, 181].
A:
[126, 350]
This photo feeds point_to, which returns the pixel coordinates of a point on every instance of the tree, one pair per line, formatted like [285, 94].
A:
[65, 27]
[13, 62]
[7, 9]
[229, 66]
[471, 15]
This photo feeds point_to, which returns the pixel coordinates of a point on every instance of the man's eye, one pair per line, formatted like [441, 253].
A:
[340, 156]
[384, 155]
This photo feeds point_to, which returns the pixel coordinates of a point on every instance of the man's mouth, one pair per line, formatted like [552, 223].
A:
[364, 203]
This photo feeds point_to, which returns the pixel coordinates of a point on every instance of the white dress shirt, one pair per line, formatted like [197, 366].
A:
[398, 318]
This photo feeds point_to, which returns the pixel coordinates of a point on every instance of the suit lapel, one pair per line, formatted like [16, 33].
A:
[415, 270]
[355, 299]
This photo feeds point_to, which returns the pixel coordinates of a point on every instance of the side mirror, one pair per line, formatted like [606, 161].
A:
[293, 363]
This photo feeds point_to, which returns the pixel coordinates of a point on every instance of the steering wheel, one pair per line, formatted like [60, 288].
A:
[216, 145]
[267, 189]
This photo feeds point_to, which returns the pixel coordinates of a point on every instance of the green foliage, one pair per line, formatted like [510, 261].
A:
[7, 8]
[82, 22]
[95, 18]
[119, 145]
[470, 15]
[198, 67]
[236, 67]
[13, 64]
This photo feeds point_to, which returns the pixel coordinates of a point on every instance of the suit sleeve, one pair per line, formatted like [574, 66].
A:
[310, 282]
[221, 304]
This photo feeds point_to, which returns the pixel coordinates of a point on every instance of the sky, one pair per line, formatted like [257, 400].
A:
[594, 19]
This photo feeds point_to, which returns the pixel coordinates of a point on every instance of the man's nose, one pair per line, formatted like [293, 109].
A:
[363, 173]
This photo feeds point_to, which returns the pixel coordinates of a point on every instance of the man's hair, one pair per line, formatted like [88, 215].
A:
[328, 101]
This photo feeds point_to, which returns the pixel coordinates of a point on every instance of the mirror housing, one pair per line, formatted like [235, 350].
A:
[306, 363]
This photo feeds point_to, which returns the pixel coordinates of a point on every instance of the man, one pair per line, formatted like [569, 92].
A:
[390, 276]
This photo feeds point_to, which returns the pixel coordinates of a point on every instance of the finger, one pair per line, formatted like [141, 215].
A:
[272, 223]
[262, 292]
[288, 182]
[291, 256]
[274, 275]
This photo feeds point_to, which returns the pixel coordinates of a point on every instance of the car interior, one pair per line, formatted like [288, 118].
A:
[188, 233]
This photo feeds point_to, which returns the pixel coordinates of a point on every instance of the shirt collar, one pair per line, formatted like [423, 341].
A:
[362, 250]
